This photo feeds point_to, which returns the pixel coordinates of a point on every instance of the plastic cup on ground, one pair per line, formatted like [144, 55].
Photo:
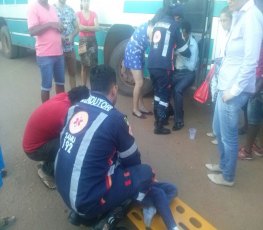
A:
[192, 133]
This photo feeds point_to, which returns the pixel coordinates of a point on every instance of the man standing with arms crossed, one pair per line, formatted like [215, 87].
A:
[43, 23]
[70, 29]
[236, 83]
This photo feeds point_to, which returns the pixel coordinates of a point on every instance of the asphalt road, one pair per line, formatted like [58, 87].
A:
[175, 158]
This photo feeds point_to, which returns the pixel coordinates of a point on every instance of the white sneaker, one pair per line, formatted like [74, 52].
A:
[213, 167]
[210, 134]
[215, 142]
[219, 179]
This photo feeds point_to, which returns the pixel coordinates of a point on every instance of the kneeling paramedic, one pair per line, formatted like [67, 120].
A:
[98, 166]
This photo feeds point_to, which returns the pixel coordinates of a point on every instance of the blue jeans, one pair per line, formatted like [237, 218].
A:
[160, 196]
[140, 178]
[255, 110]
[51, 66]
[181, 81]
[225, 127]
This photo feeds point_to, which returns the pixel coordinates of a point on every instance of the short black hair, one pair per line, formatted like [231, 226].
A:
[77, 94]
[186, 26]
[102, 77]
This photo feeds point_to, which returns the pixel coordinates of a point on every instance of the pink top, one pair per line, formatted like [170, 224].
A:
[90, 22]
[49, 42]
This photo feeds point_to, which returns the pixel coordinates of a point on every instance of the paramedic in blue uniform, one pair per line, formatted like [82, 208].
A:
[166, 38]
[98, 165]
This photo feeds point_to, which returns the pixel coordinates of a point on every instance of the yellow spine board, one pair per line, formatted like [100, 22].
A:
[185, 217]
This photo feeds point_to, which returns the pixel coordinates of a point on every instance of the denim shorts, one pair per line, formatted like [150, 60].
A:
[255, 110]
[51, 66]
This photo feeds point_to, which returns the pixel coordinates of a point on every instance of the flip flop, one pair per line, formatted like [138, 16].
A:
[142, 116]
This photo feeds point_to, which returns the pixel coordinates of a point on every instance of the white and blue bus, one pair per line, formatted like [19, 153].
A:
[118, 18]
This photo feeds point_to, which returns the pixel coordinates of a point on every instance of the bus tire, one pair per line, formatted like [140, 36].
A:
[9, 50]
[124, 77]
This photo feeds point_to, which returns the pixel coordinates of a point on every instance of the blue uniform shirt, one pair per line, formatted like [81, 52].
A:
[166, 38]
[94, 142]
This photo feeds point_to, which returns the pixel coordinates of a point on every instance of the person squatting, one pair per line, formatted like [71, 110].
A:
[100, 167]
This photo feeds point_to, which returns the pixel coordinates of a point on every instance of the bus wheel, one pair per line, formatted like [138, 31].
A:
[124, 77]
[9, 50]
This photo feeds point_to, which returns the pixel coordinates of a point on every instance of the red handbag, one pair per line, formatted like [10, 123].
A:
[202, 92]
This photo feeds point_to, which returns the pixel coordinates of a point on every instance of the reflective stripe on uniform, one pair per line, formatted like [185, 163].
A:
[157, 98]
[70, 114]
[165, 104]
[166, 43]
[129, 151]
[80, 157]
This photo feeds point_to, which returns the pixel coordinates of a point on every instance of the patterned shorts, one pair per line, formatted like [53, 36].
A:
[89, 58]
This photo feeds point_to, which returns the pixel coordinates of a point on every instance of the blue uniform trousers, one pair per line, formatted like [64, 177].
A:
[128, 183]
[161, 80]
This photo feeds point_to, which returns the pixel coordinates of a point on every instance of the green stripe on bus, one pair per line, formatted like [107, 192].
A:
[24, 41]
[18, 26]
[19, 33]
[146, 7]
[100, 36]
[21, 1]
[218, 6]
[9, 1]
[13, 2]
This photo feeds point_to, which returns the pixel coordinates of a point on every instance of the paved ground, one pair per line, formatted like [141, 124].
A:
[174, 157]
